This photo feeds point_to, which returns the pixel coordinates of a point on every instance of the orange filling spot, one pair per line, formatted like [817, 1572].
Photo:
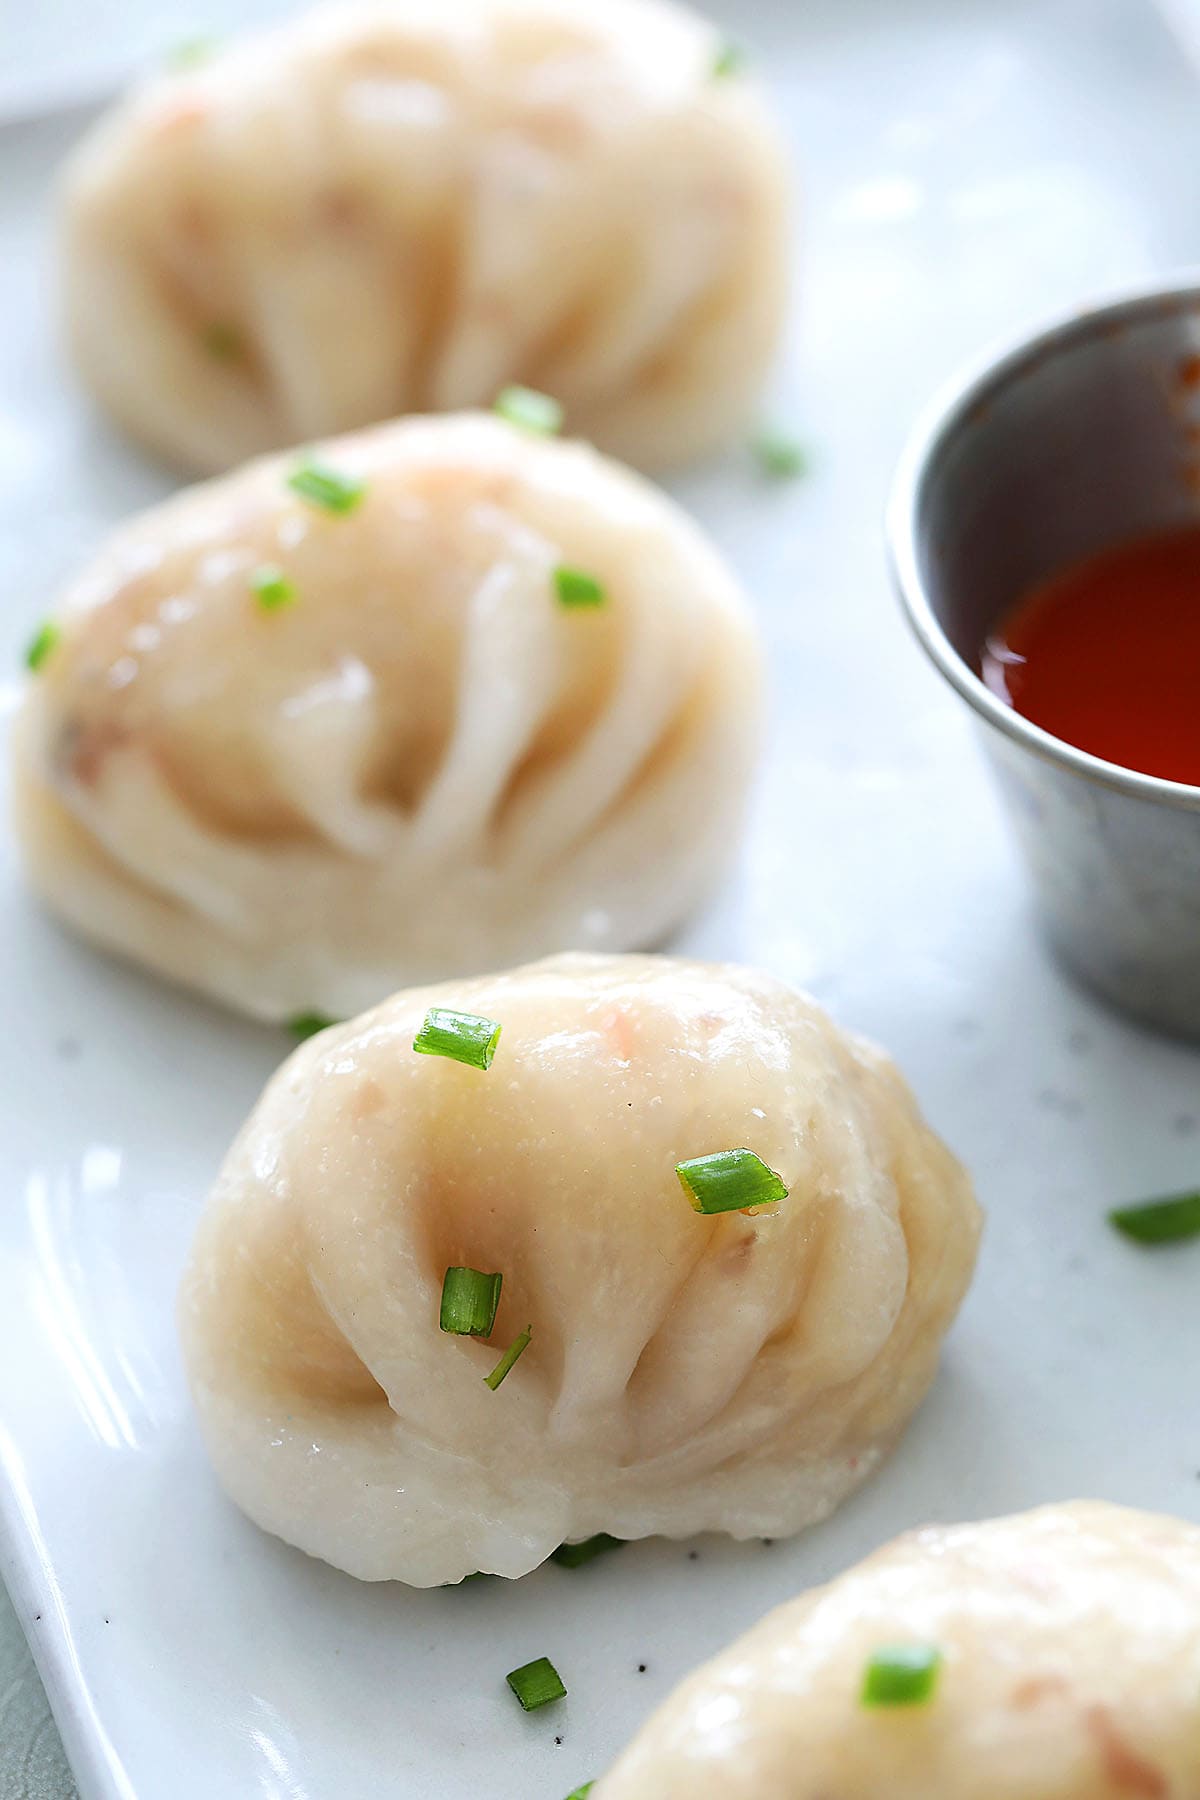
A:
[621, 1033]
[1126, 1770]
[1037, 1688]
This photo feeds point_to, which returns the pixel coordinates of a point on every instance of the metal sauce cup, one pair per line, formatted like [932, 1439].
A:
[1085, 434]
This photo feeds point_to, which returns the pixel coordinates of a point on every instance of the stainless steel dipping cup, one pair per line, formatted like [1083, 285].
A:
[1083, 435]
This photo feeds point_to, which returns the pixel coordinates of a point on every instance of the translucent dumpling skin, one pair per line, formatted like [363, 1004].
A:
[404, 207]
[739, 1372]
[423, 762]
[1070, 1645]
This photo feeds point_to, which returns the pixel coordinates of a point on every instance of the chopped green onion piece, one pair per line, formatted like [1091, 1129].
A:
[901, 1675]
[730, 59]
[573, 1556]
[192, 52]
[44, 641]
[780, 457]
[222, 341]
[464, 1037]
[729, 1181]
[326, 487]
[1159, 1221]
[272, 587]
[469, 1302]
[536, 1684]
[306, 1025]
[574, 588]
[530, 410]
[581, 1793]
[515, 1349]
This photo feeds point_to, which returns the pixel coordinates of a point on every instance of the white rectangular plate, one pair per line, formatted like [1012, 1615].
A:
[965, 167]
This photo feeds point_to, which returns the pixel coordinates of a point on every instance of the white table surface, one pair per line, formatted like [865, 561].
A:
[32, 1764]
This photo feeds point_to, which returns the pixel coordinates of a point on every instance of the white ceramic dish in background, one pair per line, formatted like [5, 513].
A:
[966, 167]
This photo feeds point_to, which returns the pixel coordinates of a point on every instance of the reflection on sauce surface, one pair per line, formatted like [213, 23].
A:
[1106, 655]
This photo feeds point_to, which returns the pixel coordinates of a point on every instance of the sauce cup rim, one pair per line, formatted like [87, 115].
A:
[936, 426]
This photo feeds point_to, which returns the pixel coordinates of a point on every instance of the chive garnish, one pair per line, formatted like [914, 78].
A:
[306, 1025]
[529, 410]
[222, 341]
[517, 1348]
[581, 1793]
[575, 588]
[730, 59]
[469, 1302]
[192, 52]
[780, 457]
[901, 1675]
[573, 1556]
[328, 488]
[536, 1684]
[42, 644]
[464, 1037]
[729, 1181]
[272, 587]
[1159, 1221]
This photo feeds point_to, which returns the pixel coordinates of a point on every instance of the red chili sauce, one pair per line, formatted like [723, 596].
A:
[1106, 655]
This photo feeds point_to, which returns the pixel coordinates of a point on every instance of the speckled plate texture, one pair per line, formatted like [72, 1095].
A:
[966, 169]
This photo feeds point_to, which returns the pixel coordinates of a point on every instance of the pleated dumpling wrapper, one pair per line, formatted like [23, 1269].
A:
[472, 697]
[1054, 1655]
[685, 1371]
[406, 207]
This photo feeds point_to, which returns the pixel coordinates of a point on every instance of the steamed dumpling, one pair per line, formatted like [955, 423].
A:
[424, 762]
[406, 207]
[685, 1373]
[1070, 1647]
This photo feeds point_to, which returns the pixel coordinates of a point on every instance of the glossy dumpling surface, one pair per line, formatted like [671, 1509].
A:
[423, 762]
[1070, 1646]
[405, 207]
[739, 1373]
